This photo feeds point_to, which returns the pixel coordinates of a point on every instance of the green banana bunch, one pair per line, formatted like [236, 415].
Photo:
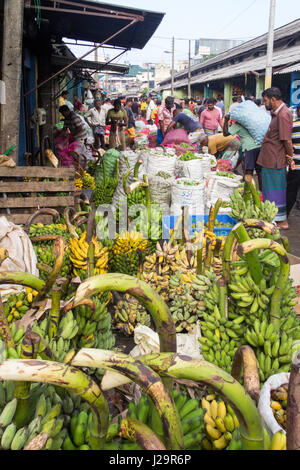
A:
[128, 314]
[16, 306]
[242, 210]
[37, 230]
[185, 309]
[46, 260]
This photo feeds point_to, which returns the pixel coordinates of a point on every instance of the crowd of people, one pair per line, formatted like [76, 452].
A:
[208, 126]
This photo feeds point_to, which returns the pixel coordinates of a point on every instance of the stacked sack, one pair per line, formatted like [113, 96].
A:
[189, 193]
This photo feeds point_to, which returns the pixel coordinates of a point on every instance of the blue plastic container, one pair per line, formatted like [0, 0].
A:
[170, 221]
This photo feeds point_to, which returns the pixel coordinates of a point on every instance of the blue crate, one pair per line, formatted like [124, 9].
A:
[170, 221]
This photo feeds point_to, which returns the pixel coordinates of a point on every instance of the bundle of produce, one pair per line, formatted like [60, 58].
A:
[279, 398]
[46, 259]
[129, 314]
[79, 255]
[105, 187]
[242, 209]
[16, 305]
[126, 255]
[221, 423]
[107, 167]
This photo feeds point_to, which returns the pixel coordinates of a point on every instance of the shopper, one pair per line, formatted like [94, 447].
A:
[249, 147]
[190, 124]
[293, 176]
[96, 119]
[135, 108]
[107, 106]
[220, 104]
[276, 153]
[75, 124]
[150, 108]
[235, 103]
[210, 118]
[155, 112]
[144, 108]
[131, 122]
[117, 119]
[165, 117]
[77, 103]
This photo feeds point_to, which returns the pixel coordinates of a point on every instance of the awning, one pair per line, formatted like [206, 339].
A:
[290, 69]
[61, 61]
[94, 21]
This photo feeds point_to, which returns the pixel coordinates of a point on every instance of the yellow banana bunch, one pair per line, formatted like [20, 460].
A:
[221, 422]
[278, 441]
[79, 254]
[129, 242]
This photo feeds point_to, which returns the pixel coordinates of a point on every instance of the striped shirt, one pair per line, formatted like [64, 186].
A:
[296, 142]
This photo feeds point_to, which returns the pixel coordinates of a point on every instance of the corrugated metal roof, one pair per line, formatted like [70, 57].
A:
[260, 43]
[290, 69]
[284, 56]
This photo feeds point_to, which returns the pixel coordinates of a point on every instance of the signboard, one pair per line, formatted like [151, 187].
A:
[295, 88]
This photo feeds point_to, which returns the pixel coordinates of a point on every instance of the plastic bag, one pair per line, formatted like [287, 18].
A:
[256, 120]
[264, 404]
[176, 136]
[21, 253]
[147, 342]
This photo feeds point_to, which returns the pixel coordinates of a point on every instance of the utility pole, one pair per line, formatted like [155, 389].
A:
[148, 77]
[173, 65]
[96, 73]
[268, 78]
[189, 72]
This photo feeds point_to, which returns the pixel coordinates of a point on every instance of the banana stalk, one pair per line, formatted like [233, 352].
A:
[88, 302]
[136, 431]
[245, 361]
[200, 261]
[147, 379]
[125, 178]
[31, 218]
[22, 388]
[217, 208]
[230, 239]
[5, 332]
[211, 219]
[266, 244]
[251, 257]
[183, 367]
[143, 293]
[260, 224]
[136, 169]
[71, 227]
[44, 238]
[223, 303]
[251, 186]
[22, 279]
[54, 312]
[148, 205]
[293, 414]
[91, 223]
[91, 259]
[59, 255]
[67, 377]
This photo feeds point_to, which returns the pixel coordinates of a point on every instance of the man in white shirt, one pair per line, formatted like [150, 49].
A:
[96, 119]
[150, 109]
[107, 106]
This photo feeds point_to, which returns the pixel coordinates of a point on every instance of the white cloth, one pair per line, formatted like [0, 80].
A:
[106, 107]
[20, 250]
[195, 136]
[150, 109]
[70, 105]
[95, 117]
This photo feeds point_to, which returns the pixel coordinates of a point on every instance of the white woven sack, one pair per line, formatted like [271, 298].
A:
[160, 190]
[221, 187]
[132, 158]
[189, 169]
[191, 196]
[264, 404]
[256, 120]
[161, 162]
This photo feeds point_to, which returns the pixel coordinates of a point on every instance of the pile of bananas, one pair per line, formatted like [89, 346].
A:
[127, 253]
[185, 308]
[17, 305]
[221, 422]
[79, 255]
[106, 186]
[94, 326]
[129, 314]
[191, 416]
[279, 404]
[242, 210]
[46, 260]
[78, 182]
[10, 352]
[221, 337]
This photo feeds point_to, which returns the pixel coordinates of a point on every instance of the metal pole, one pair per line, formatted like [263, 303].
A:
[96, 78]
[173, 65]
[189, 72]
[80, 58]
[268, 78]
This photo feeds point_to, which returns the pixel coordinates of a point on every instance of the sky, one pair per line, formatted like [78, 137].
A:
[192, 19]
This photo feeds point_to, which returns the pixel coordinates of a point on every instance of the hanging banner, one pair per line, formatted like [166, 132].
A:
[295, 88]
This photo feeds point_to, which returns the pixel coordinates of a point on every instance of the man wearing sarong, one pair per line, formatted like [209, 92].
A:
[276, 154]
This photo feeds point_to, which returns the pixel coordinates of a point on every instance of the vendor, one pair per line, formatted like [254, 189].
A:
[218, 143]
[118, 120]
[211, 118]
[165, 117]
[190, 124]
[77, 129]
